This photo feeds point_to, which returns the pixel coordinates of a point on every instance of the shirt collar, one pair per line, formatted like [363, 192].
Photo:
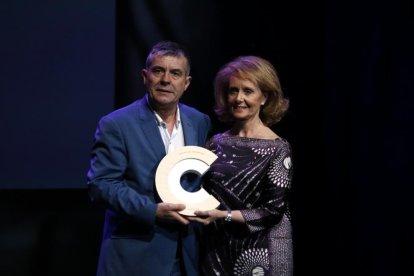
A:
[160, 121]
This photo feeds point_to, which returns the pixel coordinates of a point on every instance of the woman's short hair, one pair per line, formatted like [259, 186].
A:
[264, 75]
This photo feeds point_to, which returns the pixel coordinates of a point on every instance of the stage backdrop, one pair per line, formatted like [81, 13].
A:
[56, 80]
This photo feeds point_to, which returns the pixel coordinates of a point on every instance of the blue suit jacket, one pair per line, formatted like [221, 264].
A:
[126, 152]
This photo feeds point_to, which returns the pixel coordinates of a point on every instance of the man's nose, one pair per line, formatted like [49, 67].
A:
[166, 78]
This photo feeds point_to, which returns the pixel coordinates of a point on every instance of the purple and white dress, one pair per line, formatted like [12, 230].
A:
[253, 176]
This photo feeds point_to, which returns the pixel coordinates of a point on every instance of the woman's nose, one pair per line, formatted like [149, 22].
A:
[239, 97]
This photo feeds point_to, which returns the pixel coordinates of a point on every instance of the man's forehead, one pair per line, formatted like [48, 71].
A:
[170, 57]
[173, 59]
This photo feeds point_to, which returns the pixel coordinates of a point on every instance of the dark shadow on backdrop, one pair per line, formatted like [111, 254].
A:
[367, 138]
[56, 80]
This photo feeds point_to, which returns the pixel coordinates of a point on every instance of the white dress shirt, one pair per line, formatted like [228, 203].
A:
[176, 139]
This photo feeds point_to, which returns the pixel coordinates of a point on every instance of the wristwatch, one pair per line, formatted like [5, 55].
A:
[228, 217]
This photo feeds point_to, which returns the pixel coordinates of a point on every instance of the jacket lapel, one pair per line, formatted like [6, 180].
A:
[150, 129]
[152, 133]
[190, 137]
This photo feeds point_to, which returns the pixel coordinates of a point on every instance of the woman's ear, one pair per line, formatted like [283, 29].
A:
[265, 99]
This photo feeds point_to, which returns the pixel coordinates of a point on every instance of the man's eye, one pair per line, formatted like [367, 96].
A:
[176, 74]
[156, 70]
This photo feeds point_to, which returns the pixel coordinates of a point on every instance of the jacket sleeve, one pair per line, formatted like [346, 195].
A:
[207, 129]
[106, 176]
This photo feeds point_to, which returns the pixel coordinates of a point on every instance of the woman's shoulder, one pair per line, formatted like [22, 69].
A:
[216, 137]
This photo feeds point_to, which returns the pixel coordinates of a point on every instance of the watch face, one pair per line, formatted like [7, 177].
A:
[228, 218]
[188, 159]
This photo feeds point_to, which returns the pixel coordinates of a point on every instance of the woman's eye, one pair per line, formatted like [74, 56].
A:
[232, 91]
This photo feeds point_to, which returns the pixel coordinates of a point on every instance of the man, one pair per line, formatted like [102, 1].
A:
[142, 235]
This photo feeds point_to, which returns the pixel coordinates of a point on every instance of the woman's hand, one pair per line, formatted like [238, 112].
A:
[206, 217]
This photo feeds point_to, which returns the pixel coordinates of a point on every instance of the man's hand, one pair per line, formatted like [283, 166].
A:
[169, 212]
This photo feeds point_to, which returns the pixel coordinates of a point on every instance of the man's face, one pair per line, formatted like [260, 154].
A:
[166, 80]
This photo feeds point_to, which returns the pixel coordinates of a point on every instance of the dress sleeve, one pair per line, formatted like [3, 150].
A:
[273, 201]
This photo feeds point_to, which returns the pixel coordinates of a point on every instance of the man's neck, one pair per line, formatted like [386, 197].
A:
[169, 116]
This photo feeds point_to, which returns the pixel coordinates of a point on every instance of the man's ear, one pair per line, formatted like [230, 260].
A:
[144, 75]
[187, 82]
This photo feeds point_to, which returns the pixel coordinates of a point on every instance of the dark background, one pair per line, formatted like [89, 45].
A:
[346, 66]
[56, 80]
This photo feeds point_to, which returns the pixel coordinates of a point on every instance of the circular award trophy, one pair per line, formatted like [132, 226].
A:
[188, 159]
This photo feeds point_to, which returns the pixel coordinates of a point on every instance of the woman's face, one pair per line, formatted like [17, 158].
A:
[244, 99]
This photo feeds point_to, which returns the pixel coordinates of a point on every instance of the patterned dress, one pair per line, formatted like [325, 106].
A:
[253, 176]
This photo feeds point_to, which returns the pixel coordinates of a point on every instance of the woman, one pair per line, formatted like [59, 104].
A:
[250, 233]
